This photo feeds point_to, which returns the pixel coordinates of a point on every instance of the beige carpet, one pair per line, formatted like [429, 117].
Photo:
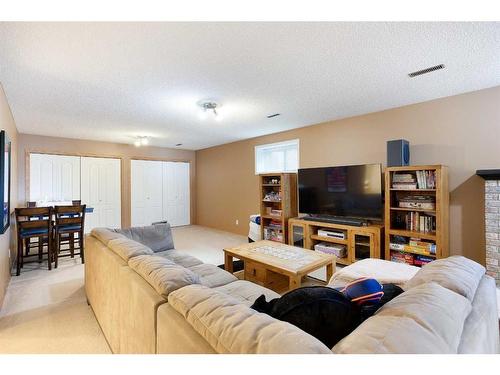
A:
[46, 311]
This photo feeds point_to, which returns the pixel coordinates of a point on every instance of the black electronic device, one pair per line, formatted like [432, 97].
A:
[398, 153]
[342, 193]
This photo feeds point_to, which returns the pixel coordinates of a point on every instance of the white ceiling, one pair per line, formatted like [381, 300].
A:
[114, 81]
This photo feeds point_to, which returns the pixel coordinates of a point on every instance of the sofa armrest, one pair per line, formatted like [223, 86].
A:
[138, 314]
[233, 328]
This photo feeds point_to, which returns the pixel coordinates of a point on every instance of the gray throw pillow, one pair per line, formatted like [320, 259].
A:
[157, 237]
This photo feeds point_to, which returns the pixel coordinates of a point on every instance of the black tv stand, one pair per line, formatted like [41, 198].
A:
[345, 220]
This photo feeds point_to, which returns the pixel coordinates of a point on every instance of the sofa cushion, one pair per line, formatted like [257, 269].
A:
[126, 248]
[180, 257]
[157, 237]
[162, 274]
[383, 271]
[231, 327]
[426, 319]
[105, 235]
[212, 276]
[247, 292]
[456, 273]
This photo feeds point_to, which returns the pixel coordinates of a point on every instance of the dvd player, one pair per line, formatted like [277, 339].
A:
[331, 233]
[355, 222]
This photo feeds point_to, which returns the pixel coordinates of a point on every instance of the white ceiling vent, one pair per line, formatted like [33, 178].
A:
[426, 70]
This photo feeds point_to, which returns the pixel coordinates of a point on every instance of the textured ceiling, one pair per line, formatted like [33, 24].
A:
[114, 81]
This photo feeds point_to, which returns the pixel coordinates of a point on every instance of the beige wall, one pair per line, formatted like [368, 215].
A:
[462, 132]
[35, 143]
[7, 245]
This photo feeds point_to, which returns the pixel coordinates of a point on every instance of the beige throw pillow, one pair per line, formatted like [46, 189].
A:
[456, 273]
[426, 319]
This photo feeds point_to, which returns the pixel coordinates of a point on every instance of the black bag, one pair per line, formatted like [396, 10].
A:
[322, 312]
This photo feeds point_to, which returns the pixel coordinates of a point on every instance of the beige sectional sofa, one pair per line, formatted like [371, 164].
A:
[170, 302]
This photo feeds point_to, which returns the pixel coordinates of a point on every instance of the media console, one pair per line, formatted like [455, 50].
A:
[338, 220]
[360, 242]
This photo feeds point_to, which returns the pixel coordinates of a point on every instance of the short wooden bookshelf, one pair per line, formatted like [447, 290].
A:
[416, 213]
[278, 197]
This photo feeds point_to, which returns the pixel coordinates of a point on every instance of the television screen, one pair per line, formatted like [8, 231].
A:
[354, 191]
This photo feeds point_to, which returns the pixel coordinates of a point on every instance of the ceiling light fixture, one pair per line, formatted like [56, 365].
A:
[141, 141]
[209, 108]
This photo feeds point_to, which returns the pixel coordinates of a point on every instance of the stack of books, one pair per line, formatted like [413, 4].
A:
[415, 246]
[404, 181]
[426, 179]
[411, 259]
[401, 257]
[426, 202]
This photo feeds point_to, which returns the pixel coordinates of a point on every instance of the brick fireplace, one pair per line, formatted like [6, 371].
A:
[492, 220]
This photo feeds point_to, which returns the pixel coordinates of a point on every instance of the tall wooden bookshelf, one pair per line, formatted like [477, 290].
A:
[278, 203]
[415, 224]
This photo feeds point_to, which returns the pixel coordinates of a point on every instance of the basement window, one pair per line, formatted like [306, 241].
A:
[277, 157]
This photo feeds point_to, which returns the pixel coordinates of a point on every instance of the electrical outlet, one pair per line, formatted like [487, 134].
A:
[237, 222]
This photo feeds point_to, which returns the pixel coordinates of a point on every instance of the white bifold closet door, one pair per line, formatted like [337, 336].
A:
[160, 191]
[176, 193]
[54, 178]
[146, 194]
[101, 190]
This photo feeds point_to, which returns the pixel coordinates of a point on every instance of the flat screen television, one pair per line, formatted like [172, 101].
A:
[349, 191]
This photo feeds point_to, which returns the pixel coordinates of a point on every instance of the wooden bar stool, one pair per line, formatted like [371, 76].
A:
[69, 221]
[33, 223]
[30, 244]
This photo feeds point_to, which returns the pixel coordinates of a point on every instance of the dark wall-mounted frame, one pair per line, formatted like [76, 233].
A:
[5, 167]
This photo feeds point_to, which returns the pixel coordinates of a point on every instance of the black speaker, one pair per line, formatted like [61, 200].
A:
[398, 153]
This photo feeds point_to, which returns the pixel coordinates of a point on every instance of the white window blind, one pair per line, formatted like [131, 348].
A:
[277, 157]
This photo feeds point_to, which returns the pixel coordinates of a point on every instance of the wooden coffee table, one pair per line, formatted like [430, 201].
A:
[277, 266]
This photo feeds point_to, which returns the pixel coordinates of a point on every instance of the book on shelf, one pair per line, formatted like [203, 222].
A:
[415, 222]
[404, 186]
[412, 249]
[420, 180]
[274, 224]
[418, 201]
[430, 247]
[426, 179]
[421, 260]
[411, 259]
[401, 257]
[403, 177]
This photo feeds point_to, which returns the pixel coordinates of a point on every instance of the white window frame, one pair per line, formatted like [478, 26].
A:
[277, 145]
